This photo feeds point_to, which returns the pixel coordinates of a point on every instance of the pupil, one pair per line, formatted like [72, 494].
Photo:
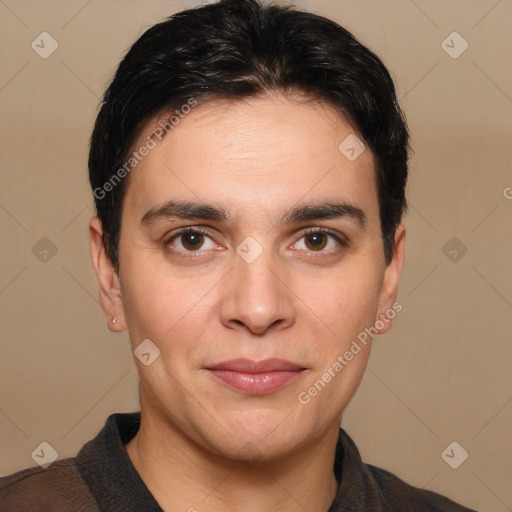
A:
[192, 240]
[316, 240]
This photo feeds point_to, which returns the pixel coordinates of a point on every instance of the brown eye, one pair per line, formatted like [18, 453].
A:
[316, 241]
[321, 241]
[192, 241]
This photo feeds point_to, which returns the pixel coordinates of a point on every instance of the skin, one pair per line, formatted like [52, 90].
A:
[203, 445]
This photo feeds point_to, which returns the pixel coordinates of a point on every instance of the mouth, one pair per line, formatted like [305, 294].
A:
[256, 377]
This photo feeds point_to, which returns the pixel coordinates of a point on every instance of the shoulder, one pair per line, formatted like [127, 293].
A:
[400, 495]
[58, 488]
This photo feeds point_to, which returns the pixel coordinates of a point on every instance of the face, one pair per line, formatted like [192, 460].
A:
[252, 274]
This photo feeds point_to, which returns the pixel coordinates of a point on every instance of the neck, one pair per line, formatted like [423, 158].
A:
[183, 475]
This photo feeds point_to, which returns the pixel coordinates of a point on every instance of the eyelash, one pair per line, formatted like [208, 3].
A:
[342, 241]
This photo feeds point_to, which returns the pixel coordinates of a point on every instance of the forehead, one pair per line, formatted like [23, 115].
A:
[252, 153]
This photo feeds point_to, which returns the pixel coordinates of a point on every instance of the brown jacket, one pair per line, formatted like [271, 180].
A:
[101, 478]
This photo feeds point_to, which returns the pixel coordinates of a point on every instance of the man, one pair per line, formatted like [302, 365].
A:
[248, 166]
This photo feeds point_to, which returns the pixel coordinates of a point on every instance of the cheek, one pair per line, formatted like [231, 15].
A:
[344, 304]
[347, 305]
[164, 307]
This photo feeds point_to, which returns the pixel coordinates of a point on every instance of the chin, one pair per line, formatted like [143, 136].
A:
[259, 434]
[259, 450]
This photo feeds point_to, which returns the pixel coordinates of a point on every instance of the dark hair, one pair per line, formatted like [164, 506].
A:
[237, 49]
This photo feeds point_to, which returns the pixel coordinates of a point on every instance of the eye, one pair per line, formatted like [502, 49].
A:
[318, 239]
[190, 240]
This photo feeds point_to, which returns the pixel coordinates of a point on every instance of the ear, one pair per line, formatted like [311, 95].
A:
[111, 298]
[390, 282]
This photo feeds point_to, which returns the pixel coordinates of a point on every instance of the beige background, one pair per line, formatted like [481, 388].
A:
[442, 374]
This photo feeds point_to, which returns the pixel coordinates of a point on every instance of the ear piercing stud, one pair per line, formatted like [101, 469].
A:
[114, 320]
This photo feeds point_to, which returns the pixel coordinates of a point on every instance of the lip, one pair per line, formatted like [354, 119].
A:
[256, 377]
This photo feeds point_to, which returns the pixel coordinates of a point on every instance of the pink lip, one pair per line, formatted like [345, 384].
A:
[256, 377]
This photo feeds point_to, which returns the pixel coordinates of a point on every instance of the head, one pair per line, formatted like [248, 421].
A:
[274, 137]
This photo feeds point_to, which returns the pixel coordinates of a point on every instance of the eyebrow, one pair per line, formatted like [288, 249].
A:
[174, 210]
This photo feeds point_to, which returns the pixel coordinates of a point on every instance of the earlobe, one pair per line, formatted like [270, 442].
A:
[111, 299]
[389, 289]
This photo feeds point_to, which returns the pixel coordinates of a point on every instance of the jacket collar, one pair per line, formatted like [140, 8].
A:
[121, 484]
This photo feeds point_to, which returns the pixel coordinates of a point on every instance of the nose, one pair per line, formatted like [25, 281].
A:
[257, 297]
